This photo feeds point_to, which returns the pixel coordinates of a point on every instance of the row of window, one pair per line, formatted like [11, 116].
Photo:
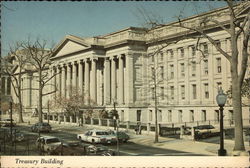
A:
[6, 85]
[181, 53]
[182, 91]
[191, 115]
[193, 69]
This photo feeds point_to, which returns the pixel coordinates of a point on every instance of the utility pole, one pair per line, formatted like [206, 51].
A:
[48, 116]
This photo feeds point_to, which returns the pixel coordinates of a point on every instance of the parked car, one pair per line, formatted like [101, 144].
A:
[204, 131]
[99, 150]
[41, 127]
[97, 136]
[122, 136]
[16, 135]
[48, 143]
[7, 122]
[70, 148]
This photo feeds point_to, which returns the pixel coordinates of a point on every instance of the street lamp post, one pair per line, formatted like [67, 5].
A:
[114, 114]
[221, 99]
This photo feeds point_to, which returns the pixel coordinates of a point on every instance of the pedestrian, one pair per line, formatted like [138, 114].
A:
[138, 128]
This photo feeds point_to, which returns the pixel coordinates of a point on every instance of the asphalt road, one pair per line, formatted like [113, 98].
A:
[68, 133]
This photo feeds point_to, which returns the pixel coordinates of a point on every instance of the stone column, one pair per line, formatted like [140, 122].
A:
[74, 75]
[107, 81]
[53, 86]
[93, 80]
[80, 77]
[148, 127]
[63, 82]
[29, 92]
[113, 79]
[129, 78]
[121, 80]
[86, 81]
[68, 85]
[58, 81]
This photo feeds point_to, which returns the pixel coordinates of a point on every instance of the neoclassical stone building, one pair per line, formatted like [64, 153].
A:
[118, 67]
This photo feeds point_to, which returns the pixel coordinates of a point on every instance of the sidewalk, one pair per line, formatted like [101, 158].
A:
[196, 147]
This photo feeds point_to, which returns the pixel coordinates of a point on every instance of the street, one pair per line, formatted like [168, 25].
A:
[68, 133]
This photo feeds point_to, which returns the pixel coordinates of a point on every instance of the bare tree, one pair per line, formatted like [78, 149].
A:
[156, 77]
[72, 105]
[39, 59]
[16, 70]
[236, 26]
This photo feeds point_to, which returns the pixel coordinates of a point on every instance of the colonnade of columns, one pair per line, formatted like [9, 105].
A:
[100, 80]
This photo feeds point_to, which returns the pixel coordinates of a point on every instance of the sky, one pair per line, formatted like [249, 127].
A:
[51, 21]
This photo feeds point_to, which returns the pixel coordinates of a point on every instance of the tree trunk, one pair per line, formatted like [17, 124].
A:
[20, 114]
[237, 108]
[40, 103]
[20, 110]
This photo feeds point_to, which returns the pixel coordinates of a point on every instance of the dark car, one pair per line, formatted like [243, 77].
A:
[122, 136]
[16, 135]
[7, 122]
[99, 150]
[41, 127]
[204, 131]
[69, 149]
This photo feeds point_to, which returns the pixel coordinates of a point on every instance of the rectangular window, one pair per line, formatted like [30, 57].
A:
[231, 115]
[193, 68]
[171, 71]
[153, 93]
[217, 115]
[152, 58]
[193, 51]
[3, 85]
[206, 90]
[9, 86]
[172, 92]
[180, 116]
[218, 43]
[160, 116]
[169, 115]
[205, 49]
[161, 56]
[218, 60]
[194, 91]
[182, 92]
[122, 115]
[138, 112]
[171, 54]
[181, 52]
[182, 66]
[191, 115]
[150, 115]
[152, 72]
[161, 73]
[219, 85]
[162, 93]
[205, 67]
[203, 115]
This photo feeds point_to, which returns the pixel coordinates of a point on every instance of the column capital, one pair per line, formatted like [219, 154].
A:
[107, 59]
[129, 54]
[120, 56]
[93, 59]
[79, 61]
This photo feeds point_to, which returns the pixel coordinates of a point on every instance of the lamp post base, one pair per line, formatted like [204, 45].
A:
[222, 152]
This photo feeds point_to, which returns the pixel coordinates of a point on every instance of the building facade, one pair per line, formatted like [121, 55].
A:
[120, 68]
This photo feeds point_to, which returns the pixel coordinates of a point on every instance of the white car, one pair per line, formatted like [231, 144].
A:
[48, 143]
[97, 136]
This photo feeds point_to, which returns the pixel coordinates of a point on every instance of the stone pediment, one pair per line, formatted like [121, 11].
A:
[70, 44]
